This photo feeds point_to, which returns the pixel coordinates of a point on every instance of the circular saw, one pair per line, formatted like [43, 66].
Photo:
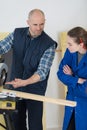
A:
[3, 73]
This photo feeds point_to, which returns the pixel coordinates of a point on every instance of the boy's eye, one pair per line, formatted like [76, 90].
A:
[69, 44]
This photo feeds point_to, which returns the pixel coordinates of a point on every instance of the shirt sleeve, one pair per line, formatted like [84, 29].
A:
[6, 44]
[45, 63]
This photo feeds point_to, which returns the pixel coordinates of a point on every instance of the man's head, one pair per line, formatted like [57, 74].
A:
[36, 21]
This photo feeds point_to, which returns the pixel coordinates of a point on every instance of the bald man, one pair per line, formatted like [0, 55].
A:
[33, 54]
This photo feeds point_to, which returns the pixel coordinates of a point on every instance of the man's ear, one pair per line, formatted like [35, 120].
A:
[27, 22]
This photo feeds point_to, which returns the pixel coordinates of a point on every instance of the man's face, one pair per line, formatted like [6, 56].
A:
[36, 24]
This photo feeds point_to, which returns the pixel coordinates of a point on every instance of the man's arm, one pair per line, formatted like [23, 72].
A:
[6, 44]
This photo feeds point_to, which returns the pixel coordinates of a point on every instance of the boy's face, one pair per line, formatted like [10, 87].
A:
[72, 45]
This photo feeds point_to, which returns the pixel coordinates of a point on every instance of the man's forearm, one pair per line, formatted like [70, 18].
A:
[33, 79]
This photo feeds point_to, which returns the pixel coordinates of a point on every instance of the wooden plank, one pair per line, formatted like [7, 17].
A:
[41, 98]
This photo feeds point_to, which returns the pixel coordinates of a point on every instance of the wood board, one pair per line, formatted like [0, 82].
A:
[41, 98]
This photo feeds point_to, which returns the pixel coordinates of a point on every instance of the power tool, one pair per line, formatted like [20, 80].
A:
[3, 71]
[7, 100]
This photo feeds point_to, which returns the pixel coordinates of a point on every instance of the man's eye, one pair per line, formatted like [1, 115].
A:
[35, 24]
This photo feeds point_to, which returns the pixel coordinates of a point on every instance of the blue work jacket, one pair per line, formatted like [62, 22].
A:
[75, 91]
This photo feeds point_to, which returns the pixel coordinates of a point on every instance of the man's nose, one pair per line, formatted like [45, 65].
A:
[38, 27]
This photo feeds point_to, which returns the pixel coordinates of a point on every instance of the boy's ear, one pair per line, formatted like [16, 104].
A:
[82, 45]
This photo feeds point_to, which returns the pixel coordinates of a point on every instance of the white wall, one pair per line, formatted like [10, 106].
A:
[61, 15]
